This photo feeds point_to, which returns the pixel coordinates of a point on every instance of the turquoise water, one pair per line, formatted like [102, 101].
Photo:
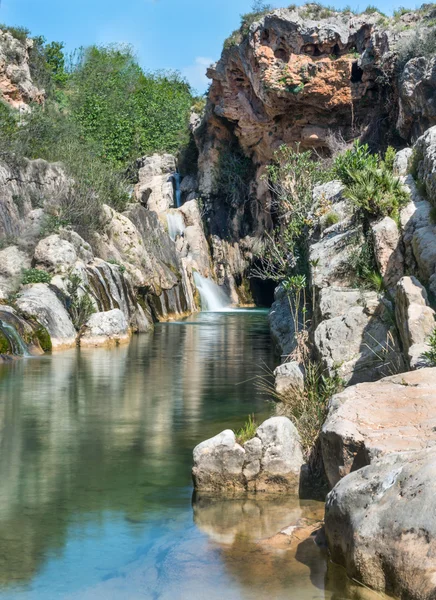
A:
[95, 487]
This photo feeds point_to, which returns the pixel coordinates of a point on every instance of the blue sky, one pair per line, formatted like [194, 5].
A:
[186, 35]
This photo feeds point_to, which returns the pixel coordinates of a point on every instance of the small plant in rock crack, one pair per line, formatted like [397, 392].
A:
[430, 355]
[247, 431]
[35, 276]
[80, 304]
[295, 289]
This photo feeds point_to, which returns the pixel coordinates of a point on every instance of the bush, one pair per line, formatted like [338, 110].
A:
[19, 33]
[356, 159]
[421, 43]
[431, 354]
[376, 192]
[80, 304]
[35, 276]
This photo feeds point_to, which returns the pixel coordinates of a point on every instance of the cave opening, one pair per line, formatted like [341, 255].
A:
[356, 73]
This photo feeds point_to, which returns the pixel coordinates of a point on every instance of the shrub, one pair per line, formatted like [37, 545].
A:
[365, 269]
[356, 159]
[19, 33]
[331, 218]
[376, 192]
[80, 304]
[431, 354]
[259, 9]
[421, 43]
[307, 407]
[35, 276]
[247, 431]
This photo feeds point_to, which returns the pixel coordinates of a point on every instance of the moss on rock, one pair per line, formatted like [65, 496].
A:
[5, 346]
[43, 338]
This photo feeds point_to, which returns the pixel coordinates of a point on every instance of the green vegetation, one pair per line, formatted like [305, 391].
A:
[101, 114]
[431, 354]
[356, 159]
[19, 33]
[35, 276]
[307, 407]
[121, 267]
[331, 218]
[80, 304]
[421, 43]
[44, 339]
[5, 346]
[364, 268]
[247, 431]
[234, 175]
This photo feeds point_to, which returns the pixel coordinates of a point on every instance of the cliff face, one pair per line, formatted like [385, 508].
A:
[16, 85]
[299, 76]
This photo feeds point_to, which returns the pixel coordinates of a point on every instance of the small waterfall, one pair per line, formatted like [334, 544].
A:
[177, 179]
[213, 299]
[19, 348]
[176, 224]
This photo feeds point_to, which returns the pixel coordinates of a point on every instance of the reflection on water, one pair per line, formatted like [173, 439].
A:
[95, 457]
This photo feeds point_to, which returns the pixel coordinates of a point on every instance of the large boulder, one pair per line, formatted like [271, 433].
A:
[12, 263]
[358, 342]
[415, 318]
[40, 302]
[417, 91]
[380, 524]
[55, 254]
[281, 322]
[105, 329]
[269, 462]
[370, 420]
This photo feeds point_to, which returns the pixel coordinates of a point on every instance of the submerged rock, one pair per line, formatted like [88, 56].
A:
[105, 329]
[380, 524]
[370, 420]
[269, 462]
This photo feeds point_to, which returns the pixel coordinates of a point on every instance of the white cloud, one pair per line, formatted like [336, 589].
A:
[196, 73]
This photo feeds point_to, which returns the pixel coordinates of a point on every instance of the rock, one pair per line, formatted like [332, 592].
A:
[401, 161]
[425, 151]
[38, 301]
[330, 258]
[361, 343]
[82, 248]
[281, 322]
[334, 302]
[328, 193]
[12, 263]
[270, 462]
[388, 251]
[55, 254]
[25, 337]
[415, 319]
[289, 377]
[380, 524]
[155, 190]
[105, 329]
[16, 85]
[370, 420]
[218, 464]
[417, 89]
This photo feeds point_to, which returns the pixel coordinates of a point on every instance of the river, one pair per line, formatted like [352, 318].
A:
[95, 489]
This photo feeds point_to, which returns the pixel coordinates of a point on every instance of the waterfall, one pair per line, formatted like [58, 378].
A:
[19, 348]
[176, 224]
[178, 190]
[213, 299]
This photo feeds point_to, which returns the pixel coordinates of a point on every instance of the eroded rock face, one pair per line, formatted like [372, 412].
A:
[380, 524]
[358, 341]
[269, 462]
[55, 254]
[388, 250]
[105, 329]
[12, 263]
[155, 190]
[16, 85]
[370, 420]
[38, 301]
[417, 92]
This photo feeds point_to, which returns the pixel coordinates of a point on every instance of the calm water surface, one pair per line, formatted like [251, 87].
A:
[95, 489]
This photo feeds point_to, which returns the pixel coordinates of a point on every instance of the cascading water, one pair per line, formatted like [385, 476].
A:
[176, 224]
[19, 348]
[177, 179]
[213, 299]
